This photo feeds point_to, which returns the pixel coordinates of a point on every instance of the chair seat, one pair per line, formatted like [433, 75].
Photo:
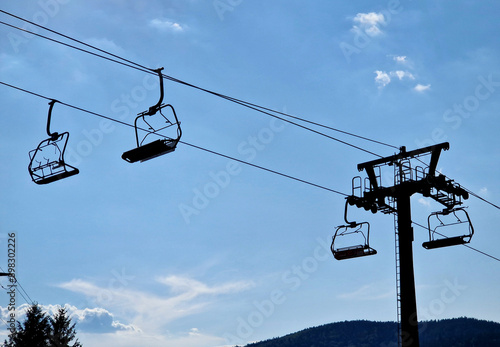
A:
[54, 176]
[149, 151]
[450, 241]
[353, 252]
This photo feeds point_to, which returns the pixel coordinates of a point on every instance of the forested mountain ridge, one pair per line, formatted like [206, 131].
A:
[457, 332]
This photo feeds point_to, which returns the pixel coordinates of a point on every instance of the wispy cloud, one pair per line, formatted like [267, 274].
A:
[369, 23]
[421, 88]
[150, 312]
[166, 25]
[191, 338]
[180, 284]
[367, 292]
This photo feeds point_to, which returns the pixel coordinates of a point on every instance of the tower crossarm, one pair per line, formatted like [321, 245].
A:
[403, 154]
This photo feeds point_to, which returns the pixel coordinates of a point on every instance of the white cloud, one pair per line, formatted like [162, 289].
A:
[97, 327]
[421, 88]
[150, 312]
[382, 78]
[369, 22]
[400, 59]
[98, 320]
[402, 74]
[166, 25]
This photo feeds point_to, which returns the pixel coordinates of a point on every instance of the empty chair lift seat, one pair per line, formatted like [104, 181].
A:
[449, 241]
[150, 150]
[353, 252]
[159, 147]
[448, 219]
[47, 163]
[52, 172]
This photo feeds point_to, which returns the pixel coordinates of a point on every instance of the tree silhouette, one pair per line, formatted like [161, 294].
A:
[40, 330]
[33, 332]
[62, 332]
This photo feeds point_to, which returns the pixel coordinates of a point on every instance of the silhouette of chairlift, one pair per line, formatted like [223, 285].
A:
[444, 241]
[351, 228]
[52, 167]
[158, 147]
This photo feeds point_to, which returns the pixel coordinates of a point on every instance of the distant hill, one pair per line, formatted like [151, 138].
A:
[455, 332]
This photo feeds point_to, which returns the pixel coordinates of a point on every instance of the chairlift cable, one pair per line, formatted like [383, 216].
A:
[77, 48]
[215, 153]
[474, 249]
[142, 68]
[467, 190]
[22, 288]
[262, 109]
[126, 124]
[265, 169]
[307, 128]
[72, 39]
[30, 302]
[480, 198]
[185, 143]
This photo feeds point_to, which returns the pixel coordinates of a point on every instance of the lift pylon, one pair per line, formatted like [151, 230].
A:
[396, 200]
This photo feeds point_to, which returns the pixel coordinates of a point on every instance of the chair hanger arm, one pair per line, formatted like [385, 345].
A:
[54, 135]
[153, 109]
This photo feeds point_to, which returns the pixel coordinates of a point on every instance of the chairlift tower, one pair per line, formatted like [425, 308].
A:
[396, 200]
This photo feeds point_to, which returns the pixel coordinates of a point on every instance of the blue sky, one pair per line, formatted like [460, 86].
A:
[193, 249]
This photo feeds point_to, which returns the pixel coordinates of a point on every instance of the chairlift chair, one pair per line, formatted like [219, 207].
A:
[355, 251]
[47, 160]
[437, 239]
[144, 152]
[351, 228]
